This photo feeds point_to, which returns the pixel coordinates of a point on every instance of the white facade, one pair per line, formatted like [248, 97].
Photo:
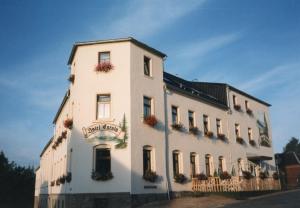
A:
[126, 84]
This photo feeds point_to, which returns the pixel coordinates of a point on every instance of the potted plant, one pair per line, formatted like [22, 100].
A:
[194, 130]
[179, 178]
[247, 175]
[69, 177]
[52, 183]
[62, 179]
[150, 120]
[64, 134]
[68, 123]
[150, 176]
[225, 175]
[221, 136]
[59, 139]
[201, 177]
[263, 175]
[209, 134]
[237, 107]
[71, 78]
[177, 126]
[101, 177]
[249, 111]
[57, 182]
[104, 67]
[252, 142]
[275, 176]
[240, 140]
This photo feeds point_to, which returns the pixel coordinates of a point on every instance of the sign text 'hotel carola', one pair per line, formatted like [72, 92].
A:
[98, 127]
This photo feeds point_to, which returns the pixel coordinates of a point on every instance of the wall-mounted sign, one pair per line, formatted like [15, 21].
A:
[105, 131]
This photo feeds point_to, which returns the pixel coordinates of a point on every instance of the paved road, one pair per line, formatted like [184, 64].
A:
[290, 199]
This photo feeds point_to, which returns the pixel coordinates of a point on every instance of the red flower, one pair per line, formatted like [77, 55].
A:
[150, 120]
[104, 67]
[68, 123]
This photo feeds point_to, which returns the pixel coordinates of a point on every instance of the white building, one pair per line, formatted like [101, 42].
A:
[127, 131]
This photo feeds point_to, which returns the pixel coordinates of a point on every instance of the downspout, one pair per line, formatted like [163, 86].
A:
[166, 136]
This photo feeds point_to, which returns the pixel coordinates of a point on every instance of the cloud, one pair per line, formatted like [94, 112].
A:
[144, 18]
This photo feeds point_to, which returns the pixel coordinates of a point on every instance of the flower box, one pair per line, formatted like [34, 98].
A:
[150, 120]
[62, 179]
[69, 177]
[150, 176]
[201, 177]
[71, 78]
[180, 178]
[64, 134]
[240, 140]
[221, 136]
[265, 143]
[59, 139]
[249, 111]
[263, 175]
[68, 123]
[209, 134]
[194, 130]
[52, 183]
[177, 126]
[225, 175]
[57, 182]
[247, 175]
[104, 67]
[99, 177]
[252, 142]
[237, 107]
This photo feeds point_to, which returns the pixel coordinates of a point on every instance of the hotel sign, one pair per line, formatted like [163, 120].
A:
[101, 128]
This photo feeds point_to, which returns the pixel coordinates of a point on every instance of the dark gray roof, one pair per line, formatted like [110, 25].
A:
[131, 39]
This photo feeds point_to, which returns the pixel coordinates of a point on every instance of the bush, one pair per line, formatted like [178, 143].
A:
[150, 120]
[150, 176]
[179, 178]
[99, 177]
[225, 175]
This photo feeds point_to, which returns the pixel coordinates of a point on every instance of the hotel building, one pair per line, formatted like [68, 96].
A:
[128, 132]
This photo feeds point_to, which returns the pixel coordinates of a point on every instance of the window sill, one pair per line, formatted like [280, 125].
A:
[148, 77]
[104, 120]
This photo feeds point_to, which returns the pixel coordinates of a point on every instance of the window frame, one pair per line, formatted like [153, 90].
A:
[149, 63]
[177, 165]
[148, 150]
[177, 114]
[105, 61]
[206, 125]
[237, 130]
[97, 106]
[102, 147]
[192, 117]
[219, 126]
[250, 134]
[151, 105]
[234, 99]
[193, 164]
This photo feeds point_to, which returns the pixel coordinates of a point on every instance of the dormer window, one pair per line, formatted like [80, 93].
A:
[147, 70]
[104, 57]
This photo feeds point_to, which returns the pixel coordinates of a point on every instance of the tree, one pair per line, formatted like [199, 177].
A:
[292, 146]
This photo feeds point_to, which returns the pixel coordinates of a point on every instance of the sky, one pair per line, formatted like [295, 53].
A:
[253, 45]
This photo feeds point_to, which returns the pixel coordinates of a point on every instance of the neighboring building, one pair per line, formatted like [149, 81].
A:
[289, 167]
[127, 131]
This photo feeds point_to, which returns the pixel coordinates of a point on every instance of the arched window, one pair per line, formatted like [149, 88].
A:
[209, 165]
[148, 155]
[176, 162]
[102, 159]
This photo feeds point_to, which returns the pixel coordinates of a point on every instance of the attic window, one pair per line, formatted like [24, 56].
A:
[147, 70]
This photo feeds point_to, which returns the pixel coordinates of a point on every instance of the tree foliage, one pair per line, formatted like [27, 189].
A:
[16, 182]
[292, 146]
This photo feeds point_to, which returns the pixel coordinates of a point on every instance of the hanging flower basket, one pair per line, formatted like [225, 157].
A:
[69, 177]
[247, 175]
[221, 136]
[99, 177]
[194, 130]
[150, 120]
[240, 140]
[64, 134]
[150, 176]
[177, 126]
[180, 178]
[209, 134]
[201, 177]
[104, 67]
[68, 123]
[252, 142]
[237, 107]
[225, 175]
[71, 78]
[249, 111]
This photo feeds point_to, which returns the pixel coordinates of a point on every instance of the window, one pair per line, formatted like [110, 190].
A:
[237, 130]
[175, 119]
[147, 106]
[147, 150]
[191, 119]
[222, 164]
[104, 57]
[246, 105]
[249, 134]
[102, 161]
[219, 127]
[234, 100]
[205, 124]
[147, 71]
[208, 165]
[176, 163]
[193, 164]
[103, 106]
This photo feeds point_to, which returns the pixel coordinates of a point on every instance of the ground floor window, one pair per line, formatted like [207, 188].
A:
[193, 164]
[147, 150]
[209, 165]
[102, 163]
[176, 161]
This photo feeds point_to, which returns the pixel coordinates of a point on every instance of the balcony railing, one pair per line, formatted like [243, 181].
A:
[235, 184]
